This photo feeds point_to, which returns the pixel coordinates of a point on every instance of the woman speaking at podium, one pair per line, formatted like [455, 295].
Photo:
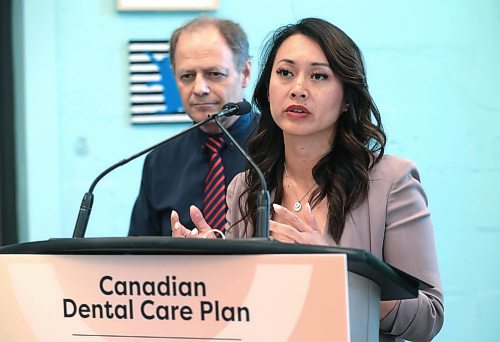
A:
[320, 145]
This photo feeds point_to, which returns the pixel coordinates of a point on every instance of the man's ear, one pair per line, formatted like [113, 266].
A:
[247, 70]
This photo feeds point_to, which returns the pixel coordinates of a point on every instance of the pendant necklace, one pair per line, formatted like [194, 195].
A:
[298, 205]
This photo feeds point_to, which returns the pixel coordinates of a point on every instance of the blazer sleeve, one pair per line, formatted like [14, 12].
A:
[409, 246]
[235, 227]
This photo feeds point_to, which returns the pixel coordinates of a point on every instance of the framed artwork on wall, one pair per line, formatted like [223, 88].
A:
[167, 5]
[154, 97]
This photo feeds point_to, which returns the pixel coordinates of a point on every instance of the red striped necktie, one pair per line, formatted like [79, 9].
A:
[214, 201]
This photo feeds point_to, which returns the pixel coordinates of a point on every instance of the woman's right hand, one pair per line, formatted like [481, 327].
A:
[201, 230]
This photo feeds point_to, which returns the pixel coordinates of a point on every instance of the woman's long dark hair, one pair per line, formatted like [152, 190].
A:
[342, 175]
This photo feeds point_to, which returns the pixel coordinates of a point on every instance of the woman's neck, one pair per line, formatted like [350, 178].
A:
[302, 154]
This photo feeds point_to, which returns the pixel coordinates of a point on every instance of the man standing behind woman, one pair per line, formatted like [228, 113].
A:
[320, 144]
[211, 65]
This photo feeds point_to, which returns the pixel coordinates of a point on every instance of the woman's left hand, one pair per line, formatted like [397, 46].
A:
[288, 227]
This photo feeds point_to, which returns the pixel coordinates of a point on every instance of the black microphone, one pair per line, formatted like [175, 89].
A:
[240, 108]
[231, 108]
[263, 199]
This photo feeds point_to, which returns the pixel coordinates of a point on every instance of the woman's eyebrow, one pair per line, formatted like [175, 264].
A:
[290, 61]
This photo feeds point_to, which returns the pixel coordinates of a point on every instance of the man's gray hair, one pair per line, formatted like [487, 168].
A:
[232, 32]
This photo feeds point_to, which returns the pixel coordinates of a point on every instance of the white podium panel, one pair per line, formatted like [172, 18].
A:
[300, 297]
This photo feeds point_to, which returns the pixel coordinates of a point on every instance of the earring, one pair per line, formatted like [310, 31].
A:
[346, 107]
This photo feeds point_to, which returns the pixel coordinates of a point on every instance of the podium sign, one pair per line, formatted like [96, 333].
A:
[280, 297]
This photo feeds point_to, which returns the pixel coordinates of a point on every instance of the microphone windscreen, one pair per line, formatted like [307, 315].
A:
[243, 107]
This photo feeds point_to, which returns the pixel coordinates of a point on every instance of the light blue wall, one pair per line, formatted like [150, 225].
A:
[433, 68]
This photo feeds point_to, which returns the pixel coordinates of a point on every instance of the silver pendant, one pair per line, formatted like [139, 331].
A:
[297, 206]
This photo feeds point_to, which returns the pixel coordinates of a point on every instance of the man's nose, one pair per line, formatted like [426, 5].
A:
[201, 87]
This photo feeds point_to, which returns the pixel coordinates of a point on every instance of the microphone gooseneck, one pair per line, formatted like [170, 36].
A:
[263, 198]
[88, 199]
[82, 220]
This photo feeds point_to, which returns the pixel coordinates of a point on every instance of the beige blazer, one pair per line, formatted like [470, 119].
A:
[394, 224]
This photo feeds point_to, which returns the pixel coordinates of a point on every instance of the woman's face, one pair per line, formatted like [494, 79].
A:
[305, 96]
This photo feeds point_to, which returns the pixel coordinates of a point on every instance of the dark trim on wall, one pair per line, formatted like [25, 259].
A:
[8, 206]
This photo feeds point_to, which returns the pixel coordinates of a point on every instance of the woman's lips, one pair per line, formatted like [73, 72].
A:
[297, 111]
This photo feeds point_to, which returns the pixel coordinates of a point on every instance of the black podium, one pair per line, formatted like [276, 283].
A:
[369, 280]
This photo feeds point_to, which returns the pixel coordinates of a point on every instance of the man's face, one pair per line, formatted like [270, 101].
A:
[206, 75]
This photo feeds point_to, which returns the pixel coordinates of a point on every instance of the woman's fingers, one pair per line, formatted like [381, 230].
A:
[199, 220]
[288, 227]
[284, 232]
[287, 217]
[178, 230]
[280, 237]
[309, 218]
[201, 230]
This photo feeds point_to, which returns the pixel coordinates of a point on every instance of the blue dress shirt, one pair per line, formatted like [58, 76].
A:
[174, 174]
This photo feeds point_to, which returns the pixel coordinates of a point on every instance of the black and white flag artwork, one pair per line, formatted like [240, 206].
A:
[154, 97]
